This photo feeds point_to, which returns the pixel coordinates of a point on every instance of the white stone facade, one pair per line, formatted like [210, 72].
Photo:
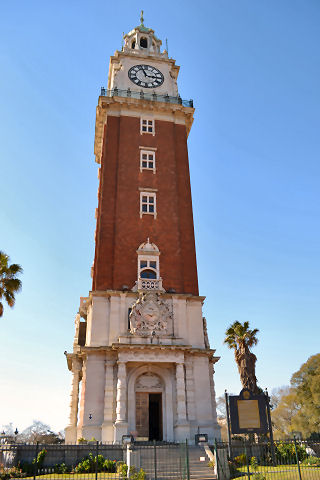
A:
[115, 363]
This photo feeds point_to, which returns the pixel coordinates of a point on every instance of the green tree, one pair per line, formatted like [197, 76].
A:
[306, 383]
[240, 338]
[9, 283]
[285, 407]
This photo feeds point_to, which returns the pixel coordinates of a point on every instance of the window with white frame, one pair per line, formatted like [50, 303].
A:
[148, 267]
[148, 204]
[148, 160]
[147, 126]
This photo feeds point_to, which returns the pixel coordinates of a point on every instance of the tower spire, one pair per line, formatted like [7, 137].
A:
[141, 18]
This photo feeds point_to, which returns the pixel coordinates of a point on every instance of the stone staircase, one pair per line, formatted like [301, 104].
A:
[198, 464]
[169, 464]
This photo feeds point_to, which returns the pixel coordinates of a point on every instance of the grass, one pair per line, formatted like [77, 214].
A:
[76, 476]
[282, 472]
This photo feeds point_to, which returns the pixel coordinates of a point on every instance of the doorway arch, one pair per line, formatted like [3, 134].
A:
[165, 388]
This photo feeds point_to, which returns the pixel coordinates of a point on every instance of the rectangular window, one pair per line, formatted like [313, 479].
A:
[148, 204]
[147, 160]
[147, 126]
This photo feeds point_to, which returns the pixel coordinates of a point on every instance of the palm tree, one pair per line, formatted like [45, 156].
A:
[240, 338]
[9, 283]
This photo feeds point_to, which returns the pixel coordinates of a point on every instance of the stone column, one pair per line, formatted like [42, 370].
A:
[71, 430]
[121, 426]
[191, 404]
[182, 427]
[107, 427]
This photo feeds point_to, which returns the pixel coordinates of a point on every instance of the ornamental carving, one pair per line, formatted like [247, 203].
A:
[149, 315]
[148, 381]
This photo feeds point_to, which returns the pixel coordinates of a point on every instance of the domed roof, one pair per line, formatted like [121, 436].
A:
[147, 247]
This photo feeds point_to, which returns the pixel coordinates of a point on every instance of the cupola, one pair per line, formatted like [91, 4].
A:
[142, 40]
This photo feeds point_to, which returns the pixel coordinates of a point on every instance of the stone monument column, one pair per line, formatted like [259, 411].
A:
[182, 428]
[121, 425]
[71, 430]
[107, 426]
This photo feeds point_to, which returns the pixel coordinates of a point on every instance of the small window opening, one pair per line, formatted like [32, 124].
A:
[133, 44]
[143, 42]
[148, 274]
[129, 311]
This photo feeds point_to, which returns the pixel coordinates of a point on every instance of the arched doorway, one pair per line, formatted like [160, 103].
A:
[149, 393]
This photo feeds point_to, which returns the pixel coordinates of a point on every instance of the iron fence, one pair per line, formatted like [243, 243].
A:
[153, 97]
[95, 461]
[281, 460]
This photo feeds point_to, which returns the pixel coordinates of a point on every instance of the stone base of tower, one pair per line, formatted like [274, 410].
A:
[107, 432]
[153, 387]
[120, 429]
[71, 434]
[182, 432]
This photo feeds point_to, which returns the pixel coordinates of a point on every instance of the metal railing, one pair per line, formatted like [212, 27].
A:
[95, 461]
[153, 97]
[285, 460]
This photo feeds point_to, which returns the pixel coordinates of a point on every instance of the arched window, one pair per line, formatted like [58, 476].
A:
[133, 44]
[148, 274]
[143, 42]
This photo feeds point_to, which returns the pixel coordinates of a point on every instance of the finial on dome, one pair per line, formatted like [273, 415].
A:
[141, 18]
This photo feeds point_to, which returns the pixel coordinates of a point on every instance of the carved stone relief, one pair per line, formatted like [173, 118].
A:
[150, 315]
[148, 381]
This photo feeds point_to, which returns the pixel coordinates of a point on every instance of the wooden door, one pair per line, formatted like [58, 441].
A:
[142, 414]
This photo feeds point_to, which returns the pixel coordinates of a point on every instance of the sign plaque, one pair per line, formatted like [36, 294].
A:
[248, 413]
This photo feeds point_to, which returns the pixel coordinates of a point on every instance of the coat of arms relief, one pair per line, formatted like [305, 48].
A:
[150, 314]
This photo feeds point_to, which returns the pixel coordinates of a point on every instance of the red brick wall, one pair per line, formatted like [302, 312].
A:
[120, 230]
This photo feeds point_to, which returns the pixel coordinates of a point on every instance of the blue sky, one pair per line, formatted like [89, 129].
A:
[252, 68]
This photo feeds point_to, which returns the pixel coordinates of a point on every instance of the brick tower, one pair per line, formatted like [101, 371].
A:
[141, 349]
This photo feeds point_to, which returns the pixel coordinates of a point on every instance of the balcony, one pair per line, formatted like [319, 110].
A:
[149, 284]
[152, 97]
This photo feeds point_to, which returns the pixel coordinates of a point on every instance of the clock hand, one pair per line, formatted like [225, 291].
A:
[150, 76]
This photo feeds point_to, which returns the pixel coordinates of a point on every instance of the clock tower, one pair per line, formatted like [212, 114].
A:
[141, 353]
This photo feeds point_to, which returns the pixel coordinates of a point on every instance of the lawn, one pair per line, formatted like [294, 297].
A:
[77, 476]
[282, 472]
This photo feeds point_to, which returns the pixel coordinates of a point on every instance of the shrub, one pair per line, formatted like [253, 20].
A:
[83, 467]
[285, 452]
[254, 463]
[13, 472]
[312, 461]
[40, 458]
[82, 440]
[240, 460]
[61, 468]
[122, 468]
[211, 464]
[109, 466]
[88, 465]
[258, 476]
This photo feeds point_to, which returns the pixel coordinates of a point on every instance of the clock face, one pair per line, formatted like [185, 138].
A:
[146, 76]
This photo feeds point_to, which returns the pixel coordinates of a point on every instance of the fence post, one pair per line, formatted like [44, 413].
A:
[35, 471]
[216, 458]
[187, 460]
[247, 459]
[297, 456]
[97, 453]
[155, 459]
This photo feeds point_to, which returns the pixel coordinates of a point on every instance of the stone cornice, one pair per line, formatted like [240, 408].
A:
[128, 106]
[116, 347]
[118, 293]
